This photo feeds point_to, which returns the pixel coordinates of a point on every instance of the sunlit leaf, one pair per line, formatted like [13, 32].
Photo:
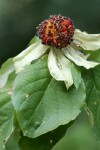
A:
[42, 104]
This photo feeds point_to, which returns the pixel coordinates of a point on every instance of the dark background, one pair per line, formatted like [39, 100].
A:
[19, 18]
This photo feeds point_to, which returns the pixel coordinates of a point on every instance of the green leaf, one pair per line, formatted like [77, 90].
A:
[13, 141]
[6, 110]
[42, 104]
[44, 142]
[12, 144]
[95, 55]
[34, 39]
[1, 143]
[76, 74]
[92, 81]
[6, 69]
[6, 115]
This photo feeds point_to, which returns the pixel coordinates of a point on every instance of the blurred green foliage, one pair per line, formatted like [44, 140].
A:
[19, 18]
[79, 136]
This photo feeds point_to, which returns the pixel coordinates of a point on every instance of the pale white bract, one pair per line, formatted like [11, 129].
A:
[86, 41]
[33, 52]
[60, 67]
[60, 60]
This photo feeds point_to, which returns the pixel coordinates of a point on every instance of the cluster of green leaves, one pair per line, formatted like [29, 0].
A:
[36, 110]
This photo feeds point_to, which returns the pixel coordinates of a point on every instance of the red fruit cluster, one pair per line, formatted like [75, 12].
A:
[56, 31]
